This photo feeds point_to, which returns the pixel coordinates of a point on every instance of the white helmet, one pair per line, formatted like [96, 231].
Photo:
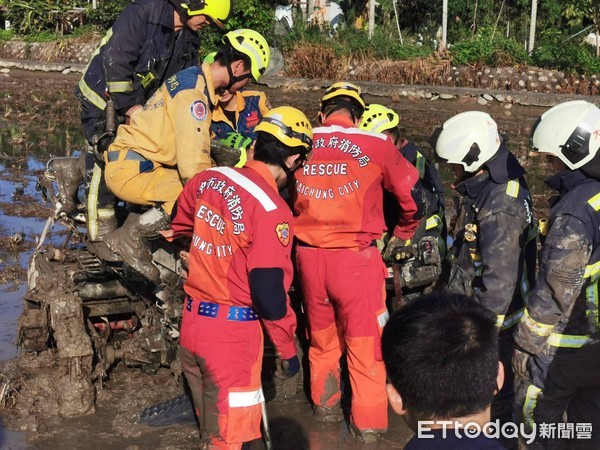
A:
[470, 139]
[570, 131]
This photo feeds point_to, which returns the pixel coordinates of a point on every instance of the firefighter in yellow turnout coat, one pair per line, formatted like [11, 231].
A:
[168, 142]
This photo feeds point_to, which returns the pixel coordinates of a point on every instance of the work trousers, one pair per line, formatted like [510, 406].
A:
[568, 381]
[143, 182]
[344, 295]
[222, 361]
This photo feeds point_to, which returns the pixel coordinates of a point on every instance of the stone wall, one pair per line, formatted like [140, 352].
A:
[427, 78]
[67, 51]
[442, 73]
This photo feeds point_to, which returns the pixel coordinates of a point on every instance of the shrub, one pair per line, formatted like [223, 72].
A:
[6, 35]
[351, 41]
[254, 14]
[315, 61]
[37, 16]
[487, 48]
[558, 51]
[27, 16]
[107, 12]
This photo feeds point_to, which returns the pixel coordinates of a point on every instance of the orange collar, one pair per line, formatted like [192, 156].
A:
[337, 118]
[262, 169]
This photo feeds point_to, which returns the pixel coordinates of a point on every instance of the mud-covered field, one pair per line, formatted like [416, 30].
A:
[38, 118]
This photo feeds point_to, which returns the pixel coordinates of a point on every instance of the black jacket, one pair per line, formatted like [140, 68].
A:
[562, 312]
[494, 237]
[142, 41]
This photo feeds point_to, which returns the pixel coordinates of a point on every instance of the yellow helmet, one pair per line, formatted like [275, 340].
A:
[210, 58]
[216, 10]
[288, 125]
[343, 88]
[252, 44]
[378, 118]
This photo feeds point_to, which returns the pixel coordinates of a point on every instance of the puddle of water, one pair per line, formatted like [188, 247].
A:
[12, 440]
[15, 141]
[30, 226]
[10, 310]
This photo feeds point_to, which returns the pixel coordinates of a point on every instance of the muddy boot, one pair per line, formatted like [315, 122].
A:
[106, 221]
[285, 388]
[68, 174]
[129, 241]
[368, 436]
[100, 209]
[328, 414]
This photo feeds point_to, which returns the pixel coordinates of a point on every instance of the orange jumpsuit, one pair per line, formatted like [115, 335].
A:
[339, 210]
[166, 143]
[241, 233]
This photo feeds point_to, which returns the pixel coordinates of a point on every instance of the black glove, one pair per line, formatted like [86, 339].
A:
[290, 366]
[520, 360]
[398, 250]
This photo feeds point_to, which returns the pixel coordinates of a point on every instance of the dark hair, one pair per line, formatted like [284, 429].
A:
[395, 134]
[270, 150]
[227, 54]
[441, 355]
[342, 102]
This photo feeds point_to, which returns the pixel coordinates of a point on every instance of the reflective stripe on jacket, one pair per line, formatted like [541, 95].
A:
[494, 239]
[141, 40]
[563, 309]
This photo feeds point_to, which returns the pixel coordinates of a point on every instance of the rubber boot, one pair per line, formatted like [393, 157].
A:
[129, 241]
[106, 221]
[68, 174]
[328, 414]
[367, 436]
[100, 208]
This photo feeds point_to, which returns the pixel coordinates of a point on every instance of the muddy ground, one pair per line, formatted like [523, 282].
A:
[39, 118]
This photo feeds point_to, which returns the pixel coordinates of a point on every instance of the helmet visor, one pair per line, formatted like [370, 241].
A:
[577, 146]
[197, 8]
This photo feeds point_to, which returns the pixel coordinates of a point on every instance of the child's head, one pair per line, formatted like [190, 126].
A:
[226, 99]
[441, 357]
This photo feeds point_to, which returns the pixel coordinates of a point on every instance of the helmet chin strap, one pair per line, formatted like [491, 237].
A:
[232, 78]
[281, 163]
[284, 166]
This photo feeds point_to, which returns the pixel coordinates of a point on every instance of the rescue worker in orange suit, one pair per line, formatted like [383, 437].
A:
[339, 212]
[237, 113]
[168, 142]
[557, 355]
[150, 41]
[240, 270]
